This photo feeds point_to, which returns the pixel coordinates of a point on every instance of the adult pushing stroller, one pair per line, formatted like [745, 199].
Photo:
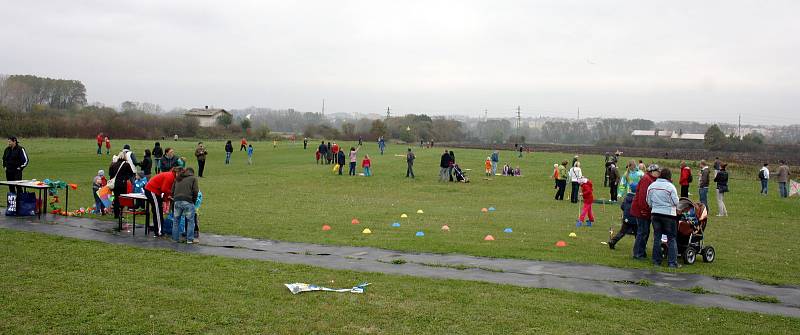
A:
[692, 220]
[460, 176]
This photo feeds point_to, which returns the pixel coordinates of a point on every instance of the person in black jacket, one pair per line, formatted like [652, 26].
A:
[15, 159]
[340, 161]
[722, 187]
[228, 152]
[147, 163]
[444, 165]
[169, 160]
[157, 154]
[323, 149]
[122, 172]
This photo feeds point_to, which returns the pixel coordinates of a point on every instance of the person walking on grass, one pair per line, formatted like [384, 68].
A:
[575, 174]
[628, 184]
[108, 146]
[158, 153]
[722, 187]
[200, 152]
[685, 179]
[305, 143]
[410, 157]
[561, 182]
[587, 192]
[783, 178]
[763, 176]
[662, 197]
[228, 152]
[353, 160]
[487, 166]
[249, 154]
[640, 209]
[444, 164]
[243, 145]
[184, 195]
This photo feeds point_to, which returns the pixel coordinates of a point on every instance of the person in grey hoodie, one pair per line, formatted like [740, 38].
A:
[184, 196]
[662, 197]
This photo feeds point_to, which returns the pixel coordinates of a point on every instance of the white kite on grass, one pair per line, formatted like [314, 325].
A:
[296, 288]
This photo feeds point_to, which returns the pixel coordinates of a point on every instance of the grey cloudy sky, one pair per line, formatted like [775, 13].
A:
[692, 60]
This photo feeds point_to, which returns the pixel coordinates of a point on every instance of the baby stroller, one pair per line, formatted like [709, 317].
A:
[692, 220]
[460, 176]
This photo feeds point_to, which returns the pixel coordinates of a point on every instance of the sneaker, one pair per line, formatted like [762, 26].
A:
[189, 242]
[588, 223]
[611, 245]
[578, 223]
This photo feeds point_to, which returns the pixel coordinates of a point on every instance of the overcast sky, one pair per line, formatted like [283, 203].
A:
[691, 60]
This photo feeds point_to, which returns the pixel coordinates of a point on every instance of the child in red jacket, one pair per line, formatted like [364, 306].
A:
[588, 199]
[366, 164]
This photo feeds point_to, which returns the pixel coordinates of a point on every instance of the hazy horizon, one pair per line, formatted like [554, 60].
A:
[695, 61]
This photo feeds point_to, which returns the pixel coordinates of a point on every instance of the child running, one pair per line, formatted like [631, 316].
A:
[249, 154]
[487, 165]
[588, 199]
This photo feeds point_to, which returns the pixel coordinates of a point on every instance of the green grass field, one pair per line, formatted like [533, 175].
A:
[55, 285]
[286, 196]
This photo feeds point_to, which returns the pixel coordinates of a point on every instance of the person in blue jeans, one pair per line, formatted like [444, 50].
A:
[763, 175]
[662, 197]
[184, 194]
[228, 152]
[705, 178]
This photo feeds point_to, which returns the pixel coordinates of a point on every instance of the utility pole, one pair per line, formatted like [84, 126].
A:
[323, 107]
[519, 121]
[579, 112]
[739, 130]
[388, 114]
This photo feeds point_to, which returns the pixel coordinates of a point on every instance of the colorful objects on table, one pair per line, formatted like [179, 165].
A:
[366, 231]
[404, 215]
[326, 227]
[355, 221]
[508, 230]
[420, 234]
[396, 224]
[419, 211]
[488, 238]
[573, 235]
[445, 228]
[561, 244]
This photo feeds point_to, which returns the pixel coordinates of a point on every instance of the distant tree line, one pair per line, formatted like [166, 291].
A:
[23, 92]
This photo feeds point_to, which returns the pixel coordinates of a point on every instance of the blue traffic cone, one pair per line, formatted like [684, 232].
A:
[578, 223]
[588, 223]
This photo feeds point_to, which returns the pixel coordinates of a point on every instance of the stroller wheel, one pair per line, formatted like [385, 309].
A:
[689, 256]
[709, 254]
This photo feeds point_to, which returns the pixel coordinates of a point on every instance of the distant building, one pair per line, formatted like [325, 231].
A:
[207, 116]
[674, 135]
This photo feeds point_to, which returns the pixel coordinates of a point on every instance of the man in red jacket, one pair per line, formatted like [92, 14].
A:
[686, 179]
[641, 211]
[157, 190]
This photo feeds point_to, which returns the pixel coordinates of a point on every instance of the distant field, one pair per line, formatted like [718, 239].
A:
[285, 196]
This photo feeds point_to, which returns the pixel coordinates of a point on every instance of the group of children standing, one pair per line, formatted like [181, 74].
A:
[331, 153]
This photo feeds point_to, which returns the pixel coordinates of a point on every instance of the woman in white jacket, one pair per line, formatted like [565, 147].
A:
[575, 174]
